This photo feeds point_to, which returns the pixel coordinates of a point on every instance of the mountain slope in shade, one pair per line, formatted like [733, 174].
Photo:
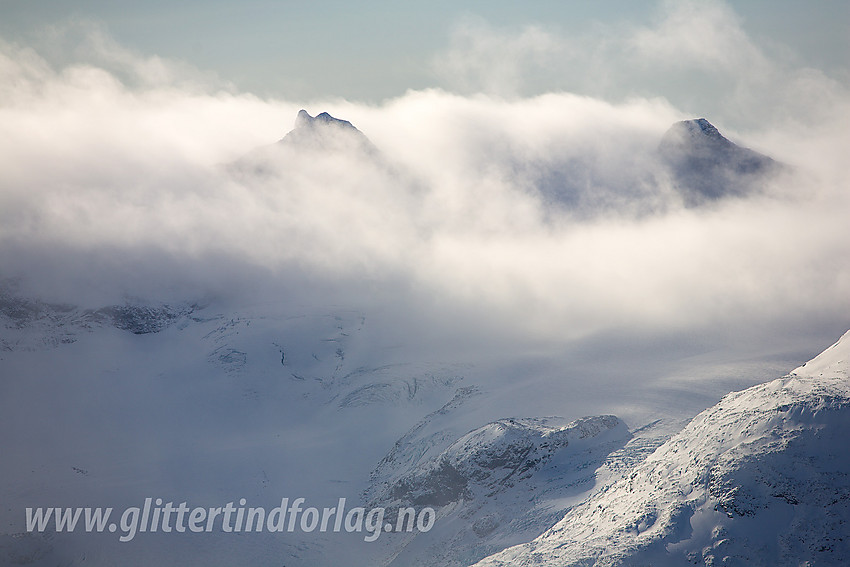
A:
[762, 478]
[705, 166]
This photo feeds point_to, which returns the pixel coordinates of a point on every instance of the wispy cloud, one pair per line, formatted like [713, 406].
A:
[697, 55]
[482, 58]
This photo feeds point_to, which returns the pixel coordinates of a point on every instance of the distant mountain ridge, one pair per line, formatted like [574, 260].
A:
[27, 323]
[693, 156]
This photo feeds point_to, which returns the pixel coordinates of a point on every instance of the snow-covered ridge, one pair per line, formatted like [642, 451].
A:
[761, 478]
[29, 324]
[496, 457]
[500, 484]
[834, 361]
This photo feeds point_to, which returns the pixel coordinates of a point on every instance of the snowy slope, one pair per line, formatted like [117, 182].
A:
[498, 485]
[209, 402]
[762, 478]
[834, 361]
[113, 405]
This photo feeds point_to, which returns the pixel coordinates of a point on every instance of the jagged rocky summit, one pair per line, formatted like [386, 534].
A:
[313, 139]
[325, 133]
[304, 120]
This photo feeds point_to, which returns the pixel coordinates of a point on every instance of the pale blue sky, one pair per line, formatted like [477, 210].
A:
[377, 49]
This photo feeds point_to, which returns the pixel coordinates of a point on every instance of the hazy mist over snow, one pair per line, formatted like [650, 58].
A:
[114, 181]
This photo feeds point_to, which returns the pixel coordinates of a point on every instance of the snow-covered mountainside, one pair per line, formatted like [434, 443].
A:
[500, 484]
[762, 478]
[198, 403]
[210, 402]
[704, 165]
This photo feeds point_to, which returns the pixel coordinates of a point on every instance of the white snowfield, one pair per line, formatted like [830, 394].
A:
[761, 478]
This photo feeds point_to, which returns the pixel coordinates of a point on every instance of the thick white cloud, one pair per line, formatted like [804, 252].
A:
[111, 184]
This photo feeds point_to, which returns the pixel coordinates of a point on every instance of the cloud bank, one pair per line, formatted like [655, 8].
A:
[117, 178]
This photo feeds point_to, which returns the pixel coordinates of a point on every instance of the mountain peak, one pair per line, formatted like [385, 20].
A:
[322, 135]
[697, 131]
[699, 126]
[304, 120]
[707, 166]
